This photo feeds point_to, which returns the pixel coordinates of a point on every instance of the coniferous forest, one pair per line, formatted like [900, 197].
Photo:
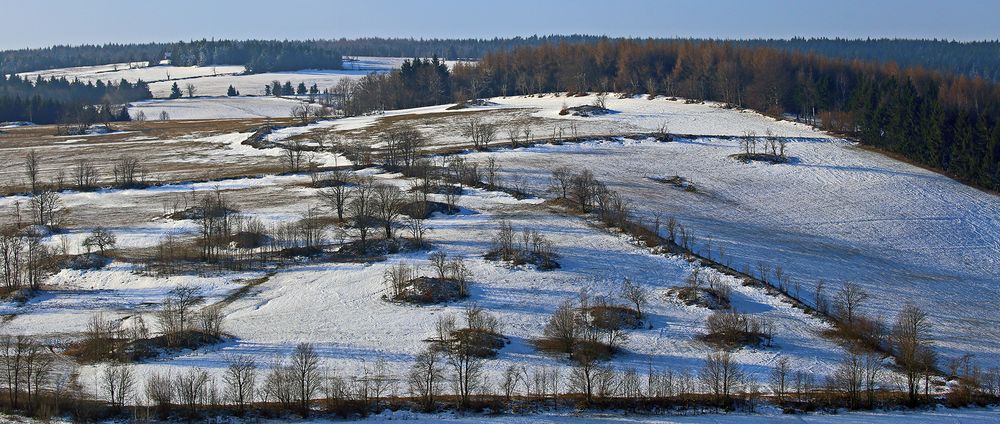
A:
[49, 101]
[974, 59]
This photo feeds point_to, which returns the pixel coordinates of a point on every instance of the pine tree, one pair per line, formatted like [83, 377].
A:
[301, 89]
[175, 92]
[231, 92]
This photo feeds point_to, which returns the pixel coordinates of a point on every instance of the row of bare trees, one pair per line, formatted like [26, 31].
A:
[26, 369]
[126, 172]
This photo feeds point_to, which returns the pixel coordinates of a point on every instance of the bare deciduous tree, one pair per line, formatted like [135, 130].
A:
[912, 345]
[388, 202]
[721, 375]
[636, 294]
[306, 372]
[100, 238]
[31, 168]
[426, 376]
[481, 133]
[362, 207]
[46, 208]
[160, 391]
[118, 383]
[85, 175]
[564, 327]
[780, 376]
[601, 100]
[128, 171]
[295, 155]
[339, 193]
[848, 300]
[240, 379]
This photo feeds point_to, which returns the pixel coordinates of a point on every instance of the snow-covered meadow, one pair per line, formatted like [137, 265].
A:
[834, 212]
[339, 306]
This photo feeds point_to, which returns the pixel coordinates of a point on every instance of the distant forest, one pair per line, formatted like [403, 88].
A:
[48, 101]
[943, 121]
[256, 55]
[974, 59]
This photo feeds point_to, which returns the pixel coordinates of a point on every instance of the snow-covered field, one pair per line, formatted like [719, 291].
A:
[338, 306]
[833, 212]
[134, 72]
[216, 107]
[940, 415]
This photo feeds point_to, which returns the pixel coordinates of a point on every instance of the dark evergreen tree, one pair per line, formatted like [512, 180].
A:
[175, 91]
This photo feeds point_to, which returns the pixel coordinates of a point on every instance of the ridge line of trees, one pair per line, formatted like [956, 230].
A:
[970, 58]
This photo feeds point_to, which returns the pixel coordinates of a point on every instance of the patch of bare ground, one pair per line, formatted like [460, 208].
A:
[245, 290]
[167, 151]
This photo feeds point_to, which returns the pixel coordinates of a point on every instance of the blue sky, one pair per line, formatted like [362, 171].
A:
[40, 23]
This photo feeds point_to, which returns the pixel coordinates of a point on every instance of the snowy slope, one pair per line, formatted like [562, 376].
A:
[338, 306]
[835, 212]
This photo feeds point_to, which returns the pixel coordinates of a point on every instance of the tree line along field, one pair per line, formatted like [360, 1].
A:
[506, 254]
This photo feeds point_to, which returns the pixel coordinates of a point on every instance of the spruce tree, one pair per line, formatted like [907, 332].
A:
[231, 92]
[175, 92]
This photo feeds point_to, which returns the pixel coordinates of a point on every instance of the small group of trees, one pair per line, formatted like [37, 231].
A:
[463, 350]
[772, 146]
[527, 246]
[181, 322]
[479, 131]
[176, 93]
[403, 146]
[518, 133]
[450, 281]
[277, 89]
[177, 316]
[295, 154]
[24, 259]
[305, 112]
[230, 239]
[592, 329]
[26, 369]
[731, 329]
